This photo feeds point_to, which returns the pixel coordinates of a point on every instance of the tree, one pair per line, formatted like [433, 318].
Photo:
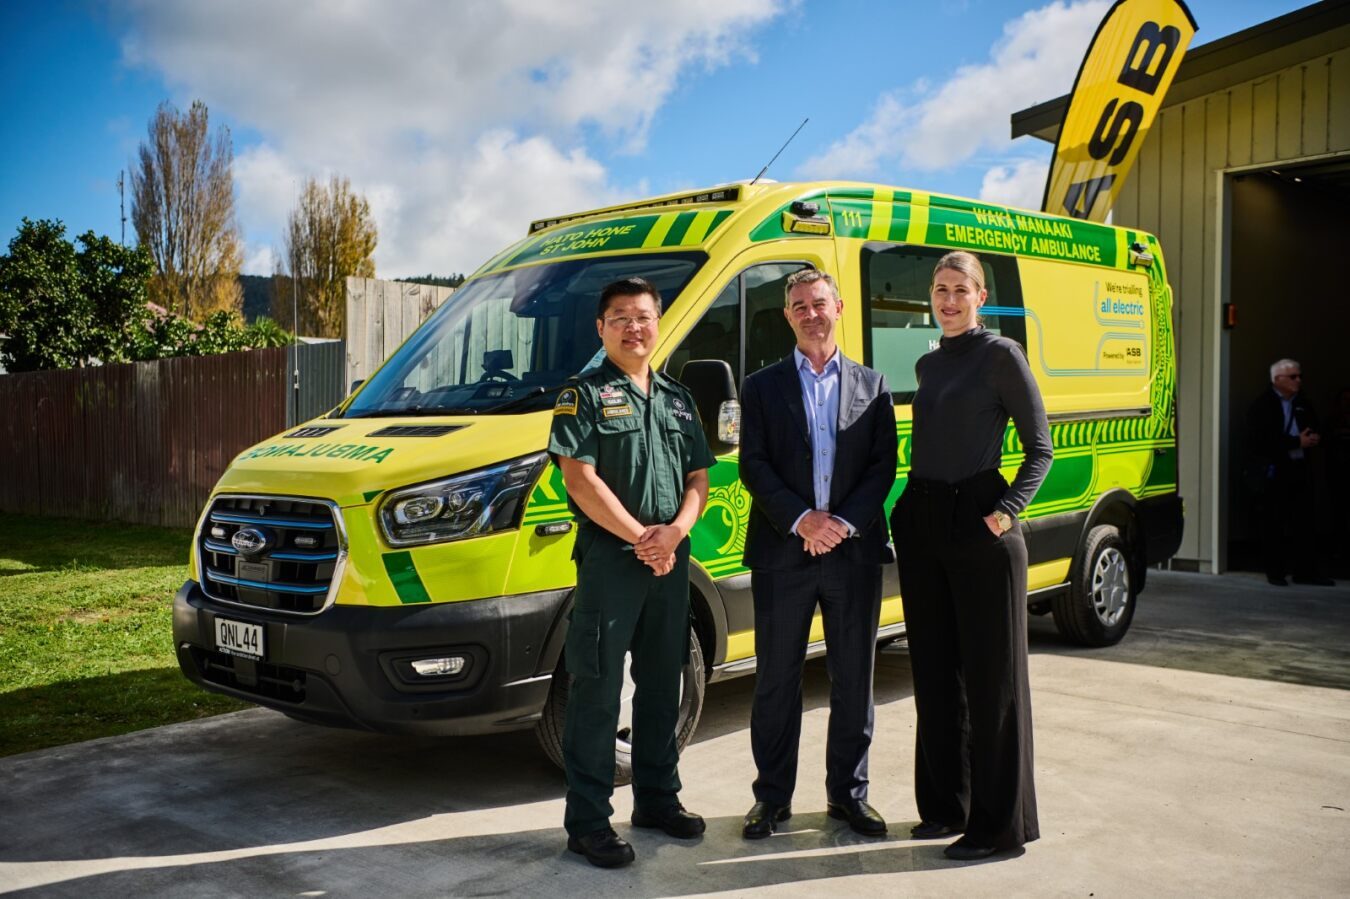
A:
[182, 206]
[330, 238]
[63, 307]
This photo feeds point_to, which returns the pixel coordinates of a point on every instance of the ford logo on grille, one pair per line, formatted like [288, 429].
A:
[250, 540]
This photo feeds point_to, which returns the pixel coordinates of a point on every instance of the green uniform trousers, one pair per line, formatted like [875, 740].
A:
[621, 607]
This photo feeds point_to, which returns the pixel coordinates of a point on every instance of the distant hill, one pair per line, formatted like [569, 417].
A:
[435, 280]
[257, 296]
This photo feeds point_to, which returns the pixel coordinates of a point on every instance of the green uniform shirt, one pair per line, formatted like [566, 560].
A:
[642, 445]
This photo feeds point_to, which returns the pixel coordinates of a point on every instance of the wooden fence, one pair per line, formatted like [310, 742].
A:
[146, 442]
[380, 316]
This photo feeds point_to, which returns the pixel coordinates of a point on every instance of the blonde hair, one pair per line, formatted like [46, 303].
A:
[967, 264]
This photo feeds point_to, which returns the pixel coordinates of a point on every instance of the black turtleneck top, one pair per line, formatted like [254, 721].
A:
[968, 388]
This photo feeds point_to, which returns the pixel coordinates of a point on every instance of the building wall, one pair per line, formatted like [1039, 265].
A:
[1178, 191]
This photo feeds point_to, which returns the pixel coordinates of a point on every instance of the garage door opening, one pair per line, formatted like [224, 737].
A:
[1290, 291]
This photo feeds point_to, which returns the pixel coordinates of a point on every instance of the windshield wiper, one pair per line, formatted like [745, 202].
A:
[533, 393]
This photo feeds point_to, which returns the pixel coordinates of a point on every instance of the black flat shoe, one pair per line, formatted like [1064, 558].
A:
[1276, 581]
[962, 851]
[673, 819]
[602, 848]
[760, 820]
[932, 830]
[859, 815]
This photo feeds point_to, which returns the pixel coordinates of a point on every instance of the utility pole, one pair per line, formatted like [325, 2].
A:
[122, 204]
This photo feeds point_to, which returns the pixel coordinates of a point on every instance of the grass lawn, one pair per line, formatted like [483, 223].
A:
[86, 642]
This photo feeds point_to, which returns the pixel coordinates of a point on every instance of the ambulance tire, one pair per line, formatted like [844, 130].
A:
[549, 731]
[1098, 607]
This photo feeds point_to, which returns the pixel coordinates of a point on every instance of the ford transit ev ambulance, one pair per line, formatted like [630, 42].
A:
[403, 563]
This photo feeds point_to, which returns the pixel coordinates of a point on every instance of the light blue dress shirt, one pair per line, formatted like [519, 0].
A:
[820, 397]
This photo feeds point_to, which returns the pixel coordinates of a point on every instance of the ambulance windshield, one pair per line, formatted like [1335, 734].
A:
[505, 343]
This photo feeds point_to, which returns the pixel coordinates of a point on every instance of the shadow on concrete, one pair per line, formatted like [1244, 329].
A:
[251, 779]
[1232, 624]
[726, 705]
[535, 862]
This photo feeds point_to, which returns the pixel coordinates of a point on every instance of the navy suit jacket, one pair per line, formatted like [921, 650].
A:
[776, 463]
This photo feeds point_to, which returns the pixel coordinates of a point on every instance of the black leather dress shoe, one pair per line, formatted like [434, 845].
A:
[1276, 580]
[932, 830]
[602, 848]
[760, 820]
[859, 815]
[962, 851]
[673, 819]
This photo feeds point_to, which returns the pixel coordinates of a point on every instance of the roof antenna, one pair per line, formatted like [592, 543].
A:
[780, 150]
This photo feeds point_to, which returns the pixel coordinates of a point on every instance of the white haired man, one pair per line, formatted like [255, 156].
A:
[1282, 441]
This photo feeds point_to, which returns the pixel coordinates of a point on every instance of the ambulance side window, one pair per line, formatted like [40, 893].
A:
[744, 326]
[898, 324]
[716, 336]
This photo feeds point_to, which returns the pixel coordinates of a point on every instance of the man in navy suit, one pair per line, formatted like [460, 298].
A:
[818, 455]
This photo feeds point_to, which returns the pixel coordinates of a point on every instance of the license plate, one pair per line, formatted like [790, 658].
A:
[237, 638]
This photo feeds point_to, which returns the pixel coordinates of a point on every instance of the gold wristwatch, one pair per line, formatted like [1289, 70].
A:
[1004, 520]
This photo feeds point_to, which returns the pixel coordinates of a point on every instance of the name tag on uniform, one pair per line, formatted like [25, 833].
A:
[613, 399]
[617, 411]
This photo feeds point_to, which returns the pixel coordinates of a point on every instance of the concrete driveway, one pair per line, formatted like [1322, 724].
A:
[1208, 754]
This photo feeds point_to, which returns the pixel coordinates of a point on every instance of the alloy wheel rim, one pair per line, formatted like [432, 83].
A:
[1110, 586]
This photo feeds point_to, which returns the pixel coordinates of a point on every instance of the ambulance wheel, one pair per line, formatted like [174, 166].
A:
[1097, 608]
[692, 684]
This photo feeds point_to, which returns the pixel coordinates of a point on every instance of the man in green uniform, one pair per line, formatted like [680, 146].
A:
[633, 455]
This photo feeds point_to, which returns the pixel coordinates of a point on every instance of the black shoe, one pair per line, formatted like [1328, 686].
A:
[673, 819]
[1277, 580]
[962, 851]
[932, 830]
[859, 815]
[602, 848]
[1315, 581]
[760, 820]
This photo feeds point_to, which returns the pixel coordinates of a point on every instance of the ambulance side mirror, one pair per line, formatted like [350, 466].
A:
[713, 387]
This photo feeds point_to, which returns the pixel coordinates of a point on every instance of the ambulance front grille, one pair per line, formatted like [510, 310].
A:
[271, 552]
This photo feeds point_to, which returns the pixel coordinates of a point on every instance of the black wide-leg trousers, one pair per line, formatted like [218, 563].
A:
[964, 592]
[849, 596]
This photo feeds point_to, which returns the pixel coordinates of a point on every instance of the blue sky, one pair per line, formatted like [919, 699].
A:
[463, 120]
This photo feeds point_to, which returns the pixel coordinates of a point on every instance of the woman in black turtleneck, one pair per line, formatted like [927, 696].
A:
[963, 575]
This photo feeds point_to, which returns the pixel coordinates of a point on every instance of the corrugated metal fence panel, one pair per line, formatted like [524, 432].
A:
[322, 380]
[144, 442]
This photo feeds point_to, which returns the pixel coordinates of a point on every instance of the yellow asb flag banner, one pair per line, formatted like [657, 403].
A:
[1125, 75]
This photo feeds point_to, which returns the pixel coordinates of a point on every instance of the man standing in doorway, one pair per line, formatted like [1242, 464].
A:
[1282, 440]
[634, 458]
[818, 455]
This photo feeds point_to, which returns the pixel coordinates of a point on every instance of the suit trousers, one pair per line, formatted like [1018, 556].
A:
[622, 607]
[964, 592]
[849, 596]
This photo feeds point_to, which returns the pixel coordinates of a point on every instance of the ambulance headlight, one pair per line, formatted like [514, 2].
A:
[466, 505]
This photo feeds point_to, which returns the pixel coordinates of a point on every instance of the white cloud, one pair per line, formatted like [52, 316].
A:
[418, 102]
[259, 260]
[931, 127]
[1020, 183]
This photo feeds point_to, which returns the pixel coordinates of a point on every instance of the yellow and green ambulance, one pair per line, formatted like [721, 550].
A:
[403, 564]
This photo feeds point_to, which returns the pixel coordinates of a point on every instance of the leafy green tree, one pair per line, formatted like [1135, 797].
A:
[62, 307]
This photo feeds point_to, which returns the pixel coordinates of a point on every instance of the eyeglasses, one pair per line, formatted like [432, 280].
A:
[623, 321]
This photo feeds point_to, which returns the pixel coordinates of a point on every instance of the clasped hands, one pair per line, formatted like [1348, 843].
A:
[821, 532]
[656, 547]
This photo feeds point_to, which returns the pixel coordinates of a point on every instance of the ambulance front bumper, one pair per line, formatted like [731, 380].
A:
[352, 666]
